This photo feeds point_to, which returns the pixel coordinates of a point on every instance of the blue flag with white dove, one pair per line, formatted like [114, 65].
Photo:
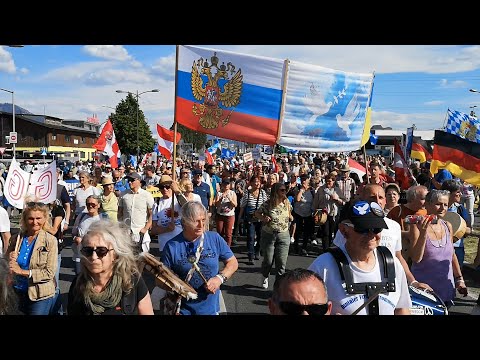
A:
[325, 109]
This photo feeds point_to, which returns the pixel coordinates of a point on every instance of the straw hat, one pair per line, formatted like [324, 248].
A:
[107, 180]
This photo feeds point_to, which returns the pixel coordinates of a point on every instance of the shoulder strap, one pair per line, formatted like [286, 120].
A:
[388, 266]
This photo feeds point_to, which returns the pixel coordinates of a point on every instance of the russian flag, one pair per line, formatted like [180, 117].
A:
[229, 95]
[165, 141]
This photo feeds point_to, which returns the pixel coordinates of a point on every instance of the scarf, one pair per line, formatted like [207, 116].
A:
[108, 298]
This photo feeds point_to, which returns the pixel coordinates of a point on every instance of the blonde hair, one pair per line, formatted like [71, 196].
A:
[182, 183]
[30, 206]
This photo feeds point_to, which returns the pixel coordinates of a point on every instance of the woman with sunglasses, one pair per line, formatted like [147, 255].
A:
[166, 226]
[110, 282]
[194, 255]
[82, 223]
[299, 292]
[275, 214]
[81, 193]
[363, 265]
[33, 261]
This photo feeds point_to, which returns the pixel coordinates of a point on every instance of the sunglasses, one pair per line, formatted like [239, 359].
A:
[367, 231]
[33, 203]
[291, 308]
[101, 251]
[161, 187]
[282, 190]
[91, 205]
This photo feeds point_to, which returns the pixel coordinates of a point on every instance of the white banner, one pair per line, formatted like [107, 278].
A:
[41, 184]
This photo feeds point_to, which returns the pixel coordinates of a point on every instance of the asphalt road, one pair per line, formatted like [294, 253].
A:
[243, 293]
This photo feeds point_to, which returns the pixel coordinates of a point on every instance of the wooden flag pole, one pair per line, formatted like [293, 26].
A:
[366, 164]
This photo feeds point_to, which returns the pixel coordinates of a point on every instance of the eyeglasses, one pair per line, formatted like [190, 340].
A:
[91, 205]
[291, 308]
[33, 203]
[161, 187]
[101, 251]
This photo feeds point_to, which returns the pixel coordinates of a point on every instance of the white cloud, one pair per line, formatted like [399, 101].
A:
[165, 67]
[7, 64]
[379, 58]
[75, 71]
[113, 76]
[434, 103]
[453, 84]
[423, 121]
[109, 52]
[24, 71]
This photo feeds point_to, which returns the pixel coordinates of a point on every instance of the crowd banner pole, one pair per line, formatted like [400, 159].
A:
[174, 165]
[366, 164]
[284, 95]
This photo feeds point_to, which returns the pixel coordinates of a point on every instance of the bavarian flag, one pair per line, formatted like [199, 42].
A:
[459, 156]
[421, 150]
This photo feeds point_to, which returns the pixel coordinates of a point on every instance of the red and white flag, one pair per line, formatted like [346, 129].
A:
[208, 157]
[165, 141]
[356, 168]
[403, 175]
[107, 143]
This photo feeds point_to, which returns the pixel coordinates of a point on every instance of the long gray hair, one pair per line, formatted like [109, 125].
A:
[118, 235]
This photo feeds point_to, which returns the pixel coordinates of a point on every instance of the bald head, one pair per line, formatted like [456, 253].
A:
[373, 192]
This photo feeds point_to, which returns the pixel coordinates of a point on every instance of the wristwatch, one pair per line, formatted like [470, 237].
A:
[223, 277]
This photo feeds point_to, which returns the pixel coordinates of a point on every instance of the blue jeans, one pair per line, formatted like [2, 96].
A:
[275, 249]
[29, 307]
[253, 228]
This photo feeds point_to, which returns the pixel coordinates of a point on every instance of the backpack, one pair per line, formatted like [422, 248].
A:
[369, 289]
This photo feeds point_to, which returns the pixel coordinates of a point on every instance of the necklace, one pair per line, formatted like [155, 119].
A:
[437, 241]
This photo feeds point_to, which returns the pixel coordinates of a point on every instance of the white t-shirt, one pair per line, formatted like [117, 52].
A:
[344, 303]
[391, 237]
[162, 216]
[4, 225]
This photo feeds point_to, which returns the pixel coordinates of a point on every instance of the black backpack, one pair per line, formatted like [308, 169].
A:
[367, 288]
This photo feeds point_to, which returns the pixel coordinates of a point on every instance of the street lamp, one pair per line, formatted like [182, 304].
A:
[137, 94]
[13, 115]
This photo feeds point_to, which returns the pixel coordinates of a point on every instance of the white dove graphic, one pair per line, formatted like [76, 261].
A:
[362, 210]
[351, 112]
[316, 104]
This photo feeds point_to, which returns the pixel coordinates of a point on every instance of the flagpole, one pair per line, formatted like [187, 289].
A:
[445, 120]
[174, 165]
[284, 95]
[366, 164]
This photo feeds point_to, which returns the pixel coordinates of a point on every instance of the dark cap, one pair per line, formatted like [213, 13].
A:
[365, 215]
[134, 175]
[197, 172]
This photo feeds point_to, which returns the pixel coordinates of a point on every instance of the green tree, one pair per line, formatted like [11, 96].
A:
[198, 139]
[124, 122]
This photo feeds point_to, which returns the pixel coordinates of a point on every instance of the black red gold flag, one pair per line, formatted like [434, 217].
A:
[459, 156]
[421, 150]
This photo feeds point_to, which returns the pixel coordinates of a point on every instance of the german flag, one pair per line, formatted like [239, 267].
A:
[421, 150]
[459, 156]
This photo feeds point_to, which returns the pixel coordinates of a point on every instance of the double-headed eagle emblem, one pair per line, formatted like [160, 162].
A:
[210, 112]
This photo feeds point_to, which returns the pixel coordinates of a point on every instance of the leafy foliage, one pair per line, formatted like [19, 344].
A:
[124, 122]
[190, 136]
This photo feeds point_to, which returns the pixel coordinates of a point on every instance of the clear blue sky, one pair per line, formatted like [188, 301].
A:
[414, 84]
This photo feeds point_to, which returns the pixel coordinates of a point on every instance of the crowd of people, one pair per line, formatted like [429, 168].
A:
[198, 212]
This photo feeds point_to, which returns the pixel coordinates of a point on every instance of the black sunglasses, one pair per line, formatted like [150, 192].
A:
[161, 187]
[101, 251]
[366, 231]
[91, 205]
[282, 190]
[291, 308]
[131, 179]
[33, 203]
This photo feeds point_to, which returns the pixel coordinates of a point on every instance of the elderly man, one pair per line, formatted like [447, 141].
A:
[299, 292]
[358, 271]
[135, 210]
